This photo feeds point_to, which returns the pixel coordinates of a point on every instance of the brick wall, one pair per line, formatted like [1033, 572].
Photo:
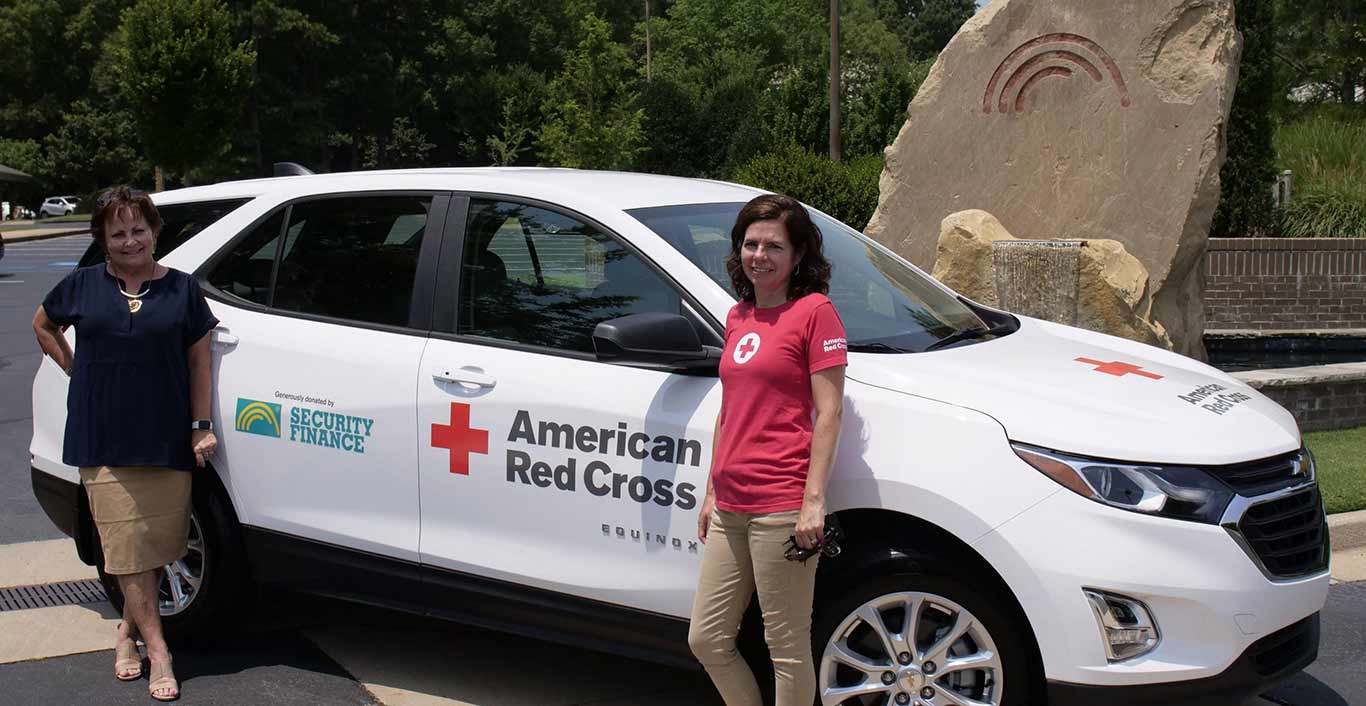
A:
[1319, 406]
[1285, 283]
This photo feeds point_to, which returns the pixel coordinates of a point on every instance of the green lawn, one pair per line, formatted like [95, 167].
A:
[1341, 459]
[80, 218]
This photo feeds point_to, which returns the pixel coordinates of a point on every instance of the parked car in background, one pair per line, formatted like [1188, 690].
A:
[58, 206]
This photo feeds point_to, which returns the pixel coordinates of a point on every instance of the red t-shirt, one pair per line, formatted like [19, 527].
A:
[764, 448]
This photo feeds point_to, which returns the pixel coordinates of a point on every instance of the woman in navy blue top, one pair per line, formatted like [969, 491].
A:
[138, 410]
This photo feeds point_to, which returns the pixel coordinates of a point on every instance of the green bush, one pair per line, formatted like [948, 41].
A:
[845, 190]
[1326, 151]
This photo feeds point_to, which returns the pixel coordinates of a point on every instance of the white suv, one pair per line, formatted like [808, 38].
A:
[487, 395]
[58, 206]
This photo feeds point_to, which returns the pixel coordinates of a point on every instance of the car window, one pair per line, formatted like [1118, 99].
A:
[353, 258]
[245, 271]
[542, 278]
[884, 303]
[179, 223]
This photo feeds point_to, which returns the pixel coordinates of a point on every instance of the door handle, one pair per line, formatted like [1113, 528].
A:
[463, 376]
[222, 338]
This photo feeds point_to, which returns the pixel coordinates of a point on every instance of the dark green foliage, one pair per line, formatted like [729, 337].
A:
[1322, 48]
[94, 148]
[351, 84]
[1246, 207]
[847, 191]
[183, 77]
[591, 120]
[926, 26]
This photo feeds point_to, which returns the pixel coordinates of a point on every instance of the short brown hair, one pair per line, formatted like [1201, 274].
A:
[813, 270]
[118, 199]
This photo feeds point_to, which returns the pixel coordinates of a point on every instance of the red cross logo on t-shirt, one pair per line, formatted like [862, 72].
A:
[746, 348]
[1119, 369]
[460, 438]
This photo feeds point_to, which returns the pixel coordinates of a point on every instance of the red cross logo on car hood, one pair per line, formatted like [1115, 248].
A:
[1119, 368]
[460, 438]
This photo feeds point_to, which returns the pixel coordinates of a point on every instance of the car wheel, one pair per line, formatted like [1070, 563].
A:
[201, 591]
[918, 638]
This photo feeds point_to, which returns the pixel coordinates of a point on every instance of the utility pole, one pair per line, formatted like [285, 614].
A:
[835, 80]
[647, 40]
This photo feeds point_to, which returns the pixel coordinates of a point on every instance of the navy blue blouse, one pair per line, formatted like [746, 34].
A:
[129, 399]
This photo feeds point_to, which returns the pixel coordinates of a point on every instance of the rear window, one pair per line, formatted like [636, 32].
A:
[179, 222]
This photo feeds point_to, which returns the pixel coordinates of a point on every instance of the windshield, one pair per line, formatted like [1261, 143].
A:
[886, 305]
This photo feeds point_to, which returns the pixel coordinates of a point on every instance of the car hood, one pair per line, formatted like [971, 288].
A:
[1086, 393]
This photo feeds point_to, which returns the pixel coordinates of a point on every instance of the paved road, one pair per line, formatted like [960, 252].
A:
[27, 272]
[308, 651]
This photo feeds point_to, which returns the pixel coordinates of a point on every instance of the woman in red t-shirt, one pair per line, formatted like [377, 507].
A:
[782, 390]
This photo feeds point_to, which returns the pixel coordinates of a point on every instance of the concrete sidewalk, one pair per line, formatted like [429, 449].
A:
[45, 231]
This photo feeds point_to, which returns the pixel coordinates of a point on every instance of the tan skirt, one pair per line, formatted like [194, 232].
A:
[142, 513]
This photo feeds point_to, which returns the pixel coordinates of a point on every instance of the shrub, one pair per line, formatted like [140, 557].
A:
[847, 191]
[1326, 151]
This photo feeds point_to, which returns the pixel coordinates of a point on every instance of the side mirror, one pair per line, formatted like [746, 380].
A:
[654, 339]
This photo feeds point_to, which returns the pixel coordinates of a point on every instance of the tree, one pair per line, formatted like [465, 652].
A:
[591, 118]
[1323, 47]
[926, 26]
[1246, 207]
[93, 148]
[184, 78]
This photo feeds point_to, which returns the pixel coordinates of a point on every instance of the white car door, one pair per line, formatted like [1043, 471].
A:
[540, 465]
[316, 356]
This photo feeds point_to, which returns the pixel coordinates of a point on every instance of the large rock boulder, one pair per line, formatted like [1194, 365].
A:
[1111, 285]
[1076, 119]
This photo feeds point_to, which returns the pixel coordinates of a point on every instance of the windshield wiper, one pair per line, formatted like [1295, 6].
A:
[964, 335]
[876, 347]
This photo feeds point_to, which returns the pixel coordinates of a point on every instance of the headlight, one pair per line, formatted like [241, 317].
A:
[1179, 492]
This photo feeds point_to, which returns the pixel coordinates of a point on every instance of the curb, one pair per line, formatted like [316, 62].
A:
[42, 236]
[1347, 530]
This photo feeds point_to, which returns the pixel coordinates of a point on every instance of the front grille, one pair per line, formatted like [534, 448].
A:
[1265, 475]
[1285, 647]
[1289, 535]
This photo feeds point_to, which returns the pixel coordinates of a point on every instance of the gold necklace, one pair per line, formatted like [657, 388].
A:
[134, 300]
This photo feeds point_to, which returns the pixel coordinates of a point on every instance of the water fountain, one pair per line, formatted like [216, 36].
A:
[1038, 278]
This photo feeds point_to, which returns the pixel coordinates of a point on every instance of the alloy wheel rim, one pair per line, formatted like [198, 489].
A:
[182, 579]
[911, 649]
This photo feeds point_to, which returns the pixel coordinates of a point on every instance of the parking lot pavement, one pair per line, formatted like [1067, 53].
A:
[303, 650]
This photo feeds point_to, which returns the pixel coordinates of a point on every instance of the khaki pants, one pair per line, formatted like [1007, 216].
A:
[743, 553]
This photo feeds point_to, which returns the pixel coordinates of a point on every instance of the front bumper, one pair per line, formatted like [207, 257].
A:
[1266, 663]
[1210, 600]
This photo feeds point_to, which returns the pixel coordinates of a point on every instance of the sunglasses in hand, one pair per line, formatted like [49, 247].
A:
[829, 546]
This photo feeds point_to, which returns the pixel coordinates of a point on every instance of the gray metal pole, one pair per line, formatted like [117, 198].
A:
[835, 80]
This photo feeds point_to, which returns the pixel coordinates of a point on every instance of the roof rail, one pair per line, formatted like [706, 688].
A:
[291, 169]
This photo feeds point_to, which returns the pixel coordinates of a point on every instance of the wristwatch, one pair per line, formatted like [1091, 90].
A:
[201, 425]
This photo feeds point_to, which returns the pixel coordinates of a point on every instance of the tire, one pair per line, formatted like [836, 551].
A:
[215, 562]
[853, 666]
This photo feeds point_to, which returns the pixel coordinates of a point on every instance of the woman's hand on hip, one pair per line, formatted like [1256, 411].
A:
[811, 523]
[204, 444]
[704, 516]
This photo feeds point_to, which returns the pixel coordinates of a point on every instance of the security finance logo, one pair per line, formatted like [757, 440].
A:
[255, 417]
[746, 348]
[306, 425]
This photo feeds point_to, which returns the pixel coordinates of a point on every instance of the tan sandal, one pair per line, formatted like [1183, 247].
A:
[163, 678]
[127, 659]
